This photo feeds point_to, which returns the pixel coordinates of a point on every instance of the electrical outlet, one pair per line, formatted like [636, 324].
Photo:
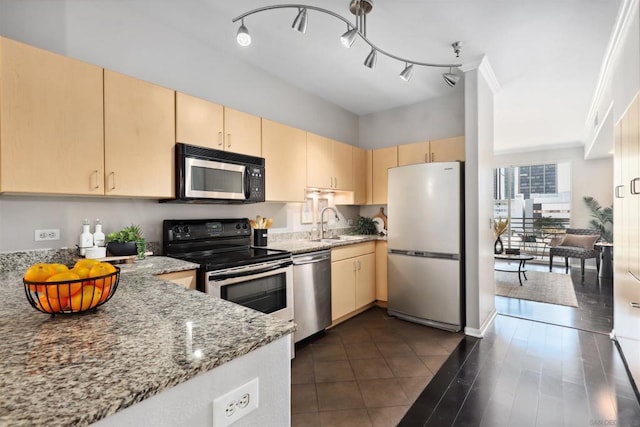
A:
[50, 234]
[229, 408]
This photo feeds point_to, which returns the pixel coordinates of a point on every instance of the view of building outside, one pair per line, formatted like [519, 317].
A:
[537, 201]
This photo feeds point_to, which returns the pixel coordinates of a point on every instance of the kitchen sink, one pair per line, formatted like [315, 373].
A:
[340, 239]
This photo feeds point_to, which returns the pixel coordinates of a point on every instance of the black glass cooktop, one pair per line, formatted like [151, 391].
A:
[235, 258]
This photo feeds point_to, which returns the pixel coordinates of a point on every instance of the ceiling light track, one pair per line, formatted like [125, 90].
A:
[358, 29]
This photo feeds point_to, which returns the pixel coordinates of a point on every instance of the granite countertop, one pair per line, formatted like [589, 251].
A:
[301, 246]
[152, 335]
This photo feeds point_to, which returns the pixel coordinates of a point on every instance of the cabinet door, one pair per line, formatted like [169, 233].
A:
[381, 271]
[368, 174]
[242, 132]
[383, 159]
[365, 280]
[411, 154]
[51, 135]
[447, 150]
[139, 119]
[342, 166]
[183, 278]
[359, 176]
[633, 170]
[319, 161]
[343, 283]
[285, 153]
[199, 122]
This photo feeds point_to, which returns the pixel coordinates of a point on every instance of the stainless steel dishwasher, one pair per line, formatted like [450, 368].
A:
[311, 293]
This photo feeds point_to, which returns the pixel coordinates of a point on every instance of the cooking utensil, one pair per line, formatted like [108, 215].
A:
[268, 223]
[253, 224]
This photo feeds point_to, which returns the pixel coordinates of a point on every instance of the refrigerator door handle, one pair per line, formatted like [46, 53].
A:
[421, 254]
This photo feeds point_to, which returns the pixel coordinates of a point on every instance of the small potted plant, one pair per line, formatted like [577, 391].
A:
[128, 241]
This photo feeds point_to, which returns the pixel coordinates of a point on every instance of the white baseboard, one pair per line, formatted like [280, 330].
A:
[479, 333]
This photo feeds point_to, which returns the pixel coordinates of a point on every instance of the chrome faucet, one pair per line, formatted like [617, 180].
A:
[322, 219]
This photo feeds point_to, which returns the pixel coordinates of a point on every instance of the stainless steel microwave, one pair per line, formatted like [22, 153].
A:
[207, 175]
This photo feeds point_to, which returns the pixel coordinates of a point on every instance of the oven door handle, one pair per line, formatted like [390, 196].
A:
[223, 277]
[247, 183]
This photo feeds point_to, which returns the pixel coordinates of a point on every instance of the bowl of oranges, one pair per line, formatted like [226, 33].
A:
[56, 288]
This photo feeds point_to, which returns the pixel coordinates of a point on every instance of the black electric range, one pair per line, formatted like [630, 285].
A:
[215, 244]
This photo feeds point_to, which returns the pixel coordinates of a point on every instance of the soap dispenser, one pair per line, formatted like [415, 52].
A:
[86, 238]
[98, 235]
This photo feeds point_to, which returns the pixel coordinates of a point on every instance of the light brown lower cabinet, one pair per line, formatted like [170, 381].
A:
[185, 278]
[353, 275]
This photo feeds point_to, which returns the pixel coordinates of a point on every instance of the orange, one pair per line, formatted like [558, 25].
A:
[83, 272]
[38, 273]
[64, 290]
[86, 262]
[102, 269]
[52, 304]
[105, 291]
[88, 298]
[59, 268]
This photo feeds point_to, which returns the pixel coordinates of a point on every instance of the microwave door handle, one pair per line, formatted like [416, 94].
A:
[245, 273]
[247, 183]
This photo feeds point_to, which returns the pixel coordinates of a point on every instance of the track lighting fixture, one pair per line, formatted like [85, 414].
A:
[450, 78]
[243, 37]
[407, 72]
[300, 23]
[359, 8]
[370, 60]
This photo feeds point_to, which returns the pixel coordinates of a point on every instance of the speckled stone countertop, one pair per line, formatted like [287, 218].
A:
[302, 246]
[77, 369]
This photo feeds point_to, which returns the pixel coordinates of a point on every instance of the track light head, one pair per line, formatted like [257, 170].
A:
[370, 60]
[450, 78]
[349, 37]
[300, 23]
[407, 72]
[243, 37]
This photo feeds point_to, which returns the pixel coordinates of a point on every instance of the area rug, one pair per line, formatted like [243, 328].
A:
[552, 288]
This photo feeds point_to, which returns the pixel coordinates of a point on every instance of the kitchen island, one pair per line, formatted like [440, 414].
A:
[147, 344]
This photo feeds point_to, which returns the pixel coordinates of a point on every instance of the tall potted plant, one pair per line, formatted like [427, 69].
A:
[128, 241]
[601, 218]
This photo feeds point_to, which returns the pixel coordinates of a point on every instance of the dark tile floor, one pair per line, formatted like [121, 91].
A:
[366, 371]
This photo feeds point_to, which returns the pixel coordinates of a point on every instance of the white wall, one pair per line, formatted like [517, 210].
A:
[588, 177]
[479, 136]
[434, 119]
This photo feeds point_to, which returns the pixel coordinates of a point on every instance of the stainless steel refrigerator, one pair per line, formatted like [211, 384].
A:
[426, 244]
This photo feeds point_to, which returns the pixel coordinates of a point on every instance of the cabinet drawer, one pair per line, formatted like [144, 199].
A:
[185, 278]
[351, 251]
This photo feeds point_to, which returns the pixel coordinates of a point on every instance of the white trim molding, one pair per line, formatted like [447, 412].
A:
[622, 25]
[484, 66]
[480, 333]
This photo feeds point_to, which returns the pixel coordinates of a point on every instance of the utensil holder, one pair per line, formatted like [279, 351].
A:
[260, 237]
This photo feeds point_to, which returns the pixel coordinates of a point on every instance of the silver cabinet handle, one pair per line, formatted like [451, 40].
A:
[113, 180]
[634, 304]
[95, 175]
[220, 142]
[335, 182]
[331, 179]
[228, 140]
[618, 193]
[433, 157]
[634, 190]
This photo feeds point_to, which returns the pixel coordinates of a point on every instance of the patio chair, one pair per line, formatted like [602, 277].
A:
[577, 243]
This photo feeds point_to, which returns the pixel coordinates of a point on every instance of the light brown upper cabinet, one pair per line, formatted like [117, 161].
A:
[204, 123]
[383, 159]
[359, 176]
[51, 134]
[284, 149]
[242, 132]
[139, 133]
[329, 163]
[438, 150]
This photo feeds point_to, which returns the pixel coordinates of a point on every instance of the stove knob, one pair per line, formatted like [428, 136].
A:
[244, 226]
[186, 229]
[176, 229]
[237, 226]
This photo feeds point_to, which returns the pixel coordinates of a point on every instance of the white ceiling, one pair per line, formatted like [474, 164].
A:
[546, 55]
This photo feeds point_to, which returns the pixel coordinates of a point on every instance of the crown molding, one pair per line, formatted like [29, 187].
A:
[483, 65]
[620, 30]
